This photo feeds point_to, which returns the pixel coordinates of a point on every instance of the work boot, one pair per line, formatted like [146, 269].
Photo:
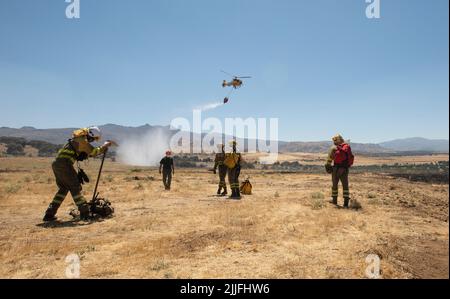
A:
[333, 200]
[235, 194]
[225, 192]
[49, 218]
[219, 190]
[51, 212]
[84, 212]
[346, 201]
[238, 193]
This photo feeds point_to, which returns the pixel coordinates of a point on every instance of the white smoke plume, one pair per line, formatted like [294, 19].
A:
[144, 150]
[210, 106]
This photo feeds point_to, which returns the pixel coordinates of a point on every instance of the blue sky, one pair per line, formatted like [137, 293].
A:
[320, 66]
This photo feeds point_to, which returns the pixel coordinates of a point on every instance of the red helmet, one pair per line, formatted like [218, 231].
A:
[168, 153]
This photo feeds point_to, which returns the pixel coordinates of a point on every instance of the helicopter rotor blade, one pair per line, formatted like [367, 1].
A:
[245, 77]
[227, 73]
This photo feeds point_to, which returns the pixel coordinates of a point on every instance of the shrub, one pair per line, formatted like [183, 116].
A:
[12, 189]
[317, 195]
[15, 149]
[317, 203]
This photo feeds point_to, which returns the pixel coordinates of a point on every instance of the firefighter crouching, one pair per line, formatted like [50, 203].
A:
[342, 157]
[233, 162]
[78, 148]
[219, 164]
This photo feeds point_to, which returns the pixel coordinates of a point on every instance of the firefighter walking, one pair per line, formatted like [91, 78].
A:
[78, 148]
[167, 168]
[233, 162]
[219, 165]
[340, 154]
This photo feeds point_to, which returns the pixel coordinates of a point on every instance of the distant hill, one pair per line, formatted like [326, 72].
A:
[324, 146]
[55, 136]
[118, 133]
[60, 136]
[417, 144]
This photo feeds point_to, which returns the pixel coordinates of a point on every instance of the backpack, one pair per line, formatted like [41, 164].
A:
[343, 155]
[246, 187]
[231, 160]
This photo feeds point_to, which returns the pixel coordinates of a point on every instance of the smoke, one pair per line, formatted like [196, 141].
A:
[144, 150]
[149, 148]
[209, 106]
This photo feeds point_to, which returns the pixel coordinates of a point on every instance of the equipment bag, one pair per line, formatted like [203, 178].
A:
[343, 155]
[231, 160]
[246, 187]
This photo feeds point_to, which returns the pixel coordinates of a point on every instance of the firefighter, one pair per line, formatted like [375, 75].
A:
[340, 154]
[233, 162]
[218, 164]
[78, 148]
[168, 169]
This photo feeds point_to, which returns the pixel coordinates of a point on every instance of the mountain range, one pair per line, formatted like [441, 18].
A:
[118, 133]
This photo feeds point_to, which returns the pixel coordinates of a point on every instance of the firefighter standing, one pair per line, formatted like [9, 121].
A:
[168, 169]
[78, 148]
[234, 170]
[219, 164]
[341, 156]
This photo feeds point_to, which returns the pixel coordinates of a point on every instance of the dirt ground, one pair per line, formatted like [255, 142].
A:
[286, 229]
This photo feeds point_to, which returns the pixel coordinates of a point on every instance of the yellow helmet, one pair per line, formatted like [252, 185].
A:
[93, 133]
[338, 139]
[80, 132]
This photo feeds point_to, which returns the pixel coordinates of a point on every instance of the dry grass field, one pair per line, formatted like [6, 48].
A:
[286, 229]
[319, 158]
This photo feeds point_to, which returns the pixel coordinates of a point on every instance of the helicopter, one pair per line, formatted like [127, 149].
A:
[235, 83]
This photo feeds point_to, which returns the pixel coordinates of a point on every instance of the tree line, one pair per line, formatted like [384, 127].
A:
[16, 146]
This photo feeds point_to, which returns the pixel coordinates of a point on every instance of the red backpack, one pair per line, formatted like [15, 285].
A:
[343, 155]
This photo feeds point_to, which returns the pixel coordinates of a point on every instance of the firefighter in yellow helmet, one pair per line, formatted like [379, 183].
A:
[340, 154]
[78, 148]
[233, 162]
[219, 164]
